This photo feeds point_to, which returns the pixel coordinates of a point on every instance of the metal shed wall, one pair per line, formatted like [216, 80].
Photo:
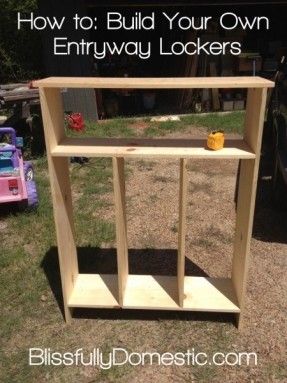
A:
[76, 100]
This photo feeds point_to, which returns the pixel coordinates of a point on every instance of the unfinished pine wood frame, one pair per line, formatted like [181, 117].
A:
[124, 290]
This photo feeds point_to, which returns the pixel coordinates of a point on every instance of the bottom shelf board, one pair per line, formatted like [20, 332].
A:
[151, 292]
[95, 291]
[209, 294]
[154, 292]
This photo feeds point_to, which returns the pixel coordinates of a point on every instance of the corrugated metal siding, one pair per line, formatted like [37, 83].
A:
[81, 100]
[77, 100]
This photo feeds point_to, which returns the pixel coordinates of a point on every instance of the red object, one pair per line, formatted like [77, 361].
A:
[13, 186]
[76, 122]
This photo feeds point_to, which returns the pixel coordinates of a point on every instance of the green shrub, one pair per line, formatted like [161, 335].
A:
[20, 51]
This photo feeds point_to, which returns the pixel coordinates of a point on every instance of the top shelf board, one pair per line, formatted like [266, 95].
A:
[153, 83]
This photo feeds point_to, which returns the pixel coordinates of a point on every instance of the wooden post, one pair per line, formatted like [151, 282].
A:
[121, 226]
[53, 119]
[254, 121]
[182, 229]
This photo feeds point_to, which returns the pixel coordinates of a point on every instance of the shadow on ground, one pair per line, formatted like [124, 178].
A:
[270, 221]
[12, 209]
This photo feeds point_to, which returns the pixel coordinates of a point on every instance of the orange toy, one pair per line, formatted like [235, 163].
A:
[215, 140]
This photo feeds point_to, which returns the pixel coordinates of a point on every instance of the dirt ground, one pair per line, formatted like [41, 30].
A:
[152, 214]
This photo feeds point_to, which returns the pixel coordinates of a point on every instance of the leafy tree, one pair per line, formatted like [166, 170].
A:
[20, 50]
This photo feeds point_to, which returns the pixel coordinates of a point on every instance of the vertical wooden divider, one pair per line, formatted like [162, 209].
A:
[53, 120]
[254, 121]
[121, 226]
[182, 229]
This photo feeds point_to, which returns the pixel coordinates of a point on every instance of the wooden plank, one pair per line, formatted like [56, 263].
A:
[154, 293]
[154, 83]
[53, 117]
[21, 92]
[151, 292]
[209, 294]
[121, 225]
[182, 229]
[254, 121]
[95, 291]
[20, 97]
[158, 292]
[157, 148]
[62, 203]
[12, 86]
[52, 112]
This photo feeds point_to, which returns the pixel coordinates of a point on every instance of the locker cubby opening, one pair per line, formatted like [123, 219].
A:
[152, 234]
[91, 182]
[211, 216]
[151, 193]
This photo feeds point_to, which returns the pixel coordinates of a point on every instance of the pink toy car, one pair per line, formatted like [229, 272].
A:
[16, 176]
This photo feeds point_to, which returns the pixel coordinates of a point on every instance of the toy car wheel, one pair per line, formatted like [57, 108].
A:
[29, 174]
[32, 194]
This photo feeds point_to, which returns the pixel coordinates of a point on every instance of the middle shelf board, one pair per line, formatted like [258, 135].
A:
[154, 293]
[156, 148]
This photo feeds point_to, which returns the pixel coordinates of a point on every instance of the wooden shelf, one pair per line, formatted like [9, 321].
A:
[95, 290]
[151, 292]
[123, 290]
[153, 83]
[159, 148]
[154, 293]
[209, 294]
